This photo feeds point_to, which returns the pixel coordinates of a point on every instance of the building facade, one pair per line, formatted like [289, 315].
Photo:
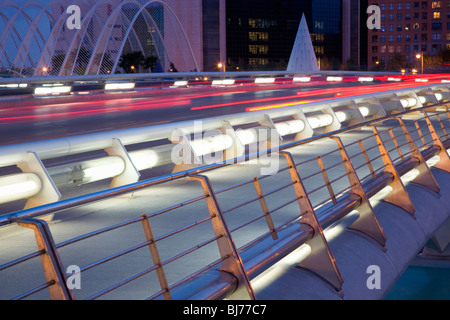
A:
[409, 29]
[260, 33]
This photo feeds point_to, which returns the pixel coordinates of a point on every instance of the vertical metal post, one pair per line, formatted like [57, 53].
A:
[155, 256]
[367, 222]
[420, 134]
[265, 208]
[399, 196]
[366, 157]
[391, 133]
[444, 159]
[425, 177]
[51, 262]
[232, 261]
[321, 260]
[326, 179]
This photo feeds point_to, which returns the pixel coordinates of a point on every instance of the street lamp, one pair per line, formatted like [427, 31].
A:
[419, 56]
[220, 65]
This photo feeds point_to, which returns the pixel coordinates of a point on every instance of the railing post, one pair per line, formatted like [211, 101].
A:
[232, 261]
[425, 177]
[367, 223]
[399, 196]
[155, 257]
[321, 260]
[265, 208]
[51, 263]
[444, 159]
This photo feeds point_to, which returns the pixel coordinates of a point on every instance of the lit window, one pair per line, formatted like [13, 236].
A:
[436, 15]
[436, 4]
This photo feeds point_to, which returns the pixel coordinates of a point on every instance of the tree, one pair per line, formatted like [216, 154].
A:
[131, 61]
[150, 63]
[397, 62]
[172, 68]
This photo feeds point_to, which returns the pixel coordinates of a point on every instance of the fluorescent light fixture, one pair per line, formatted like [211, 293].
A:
[320, 120]
[289, 127]
[394, 79]
[445, 81]
[144, 159]
[365, 79]
[47, 90]
[103, 168]
[120, 86]
[14, 85]
[421, 80]
[301, 79]
[208, 145]
[422, 99]
[19, 186]
[342, 116]
[180, 83]
[334, 78]
[247, 137]
[264, 80]
[408, 102]
[223, 82]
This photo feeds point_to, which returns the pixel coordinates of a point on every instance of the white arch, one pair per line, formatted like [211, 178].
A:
[144, 6]
[28, 39]
[46, 47]
[131, 29]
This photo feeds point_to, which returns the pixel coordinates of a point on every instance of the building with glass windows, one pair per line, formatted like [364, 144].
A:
[409, 31]
[260, 33]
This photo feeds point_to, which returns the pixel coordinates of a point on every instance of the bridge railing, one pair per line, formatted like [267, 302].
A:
[42, 86]
[231, 234]
[122, 155]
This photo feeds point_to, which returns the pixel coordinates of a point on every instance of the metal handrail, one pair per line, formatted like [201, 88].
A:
[122, 190]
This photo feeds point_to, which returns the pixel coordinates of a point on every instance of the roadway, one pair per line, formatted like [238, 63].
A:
[39, 118]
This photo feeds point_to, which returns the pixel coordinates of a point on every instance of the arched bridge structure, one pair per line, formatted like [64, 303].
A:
[84, 37]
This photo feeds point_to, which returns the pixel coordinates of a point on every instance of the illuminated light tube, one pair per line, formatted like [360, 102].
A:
[247, 137]
[180, 83]
[364, 111]
[408, 102]
[39, 91]
[208, 145]
[14, 85]
[19, 186]
[445, 81]
[103, 168]
[290, 127]
[301, 79]
[421, 80]
[120, 86]
[334, 79]
[144, 159]
[223, 82]
[320, 121]
[264, 80]
[422, 99]
[365, 79]
[342, 116]
[394, 79]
